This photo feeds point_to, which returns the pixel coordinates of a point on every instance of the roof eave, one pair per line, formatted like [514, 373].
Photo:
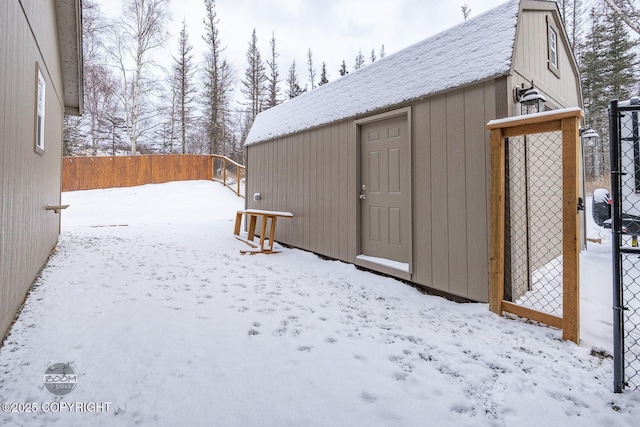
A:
[69, 22]
[257, 141]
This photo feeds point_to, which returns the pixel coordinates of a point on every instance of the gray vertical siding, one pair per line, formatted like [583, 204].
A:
[310, 174]
[422, 200]
[451, 184]
[530, 60]
[28, 181]
[439, 195]
[450, 169]
[314, 174]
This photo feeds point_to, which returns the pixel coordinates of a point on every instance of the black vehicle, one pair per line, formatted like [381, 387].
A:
[601, 206]
[601, 213]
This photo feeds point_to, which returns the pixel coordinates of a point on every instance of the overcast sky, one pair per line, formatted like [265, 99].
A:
[334, 30]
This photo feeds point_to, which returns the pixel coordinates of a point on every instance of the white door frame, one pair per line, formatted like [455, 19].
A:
[387, 268]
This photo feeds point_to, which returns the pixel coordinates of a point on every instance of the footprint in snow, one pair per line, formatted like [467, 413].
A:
[400, 376]
[368, 397]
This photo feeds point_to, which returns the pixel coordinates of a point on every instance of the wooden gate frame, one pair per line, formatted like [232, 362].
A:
[567, 121]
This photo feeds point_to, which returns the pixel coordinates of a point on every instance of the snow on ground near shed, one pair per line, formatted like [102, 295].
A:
[161, 316]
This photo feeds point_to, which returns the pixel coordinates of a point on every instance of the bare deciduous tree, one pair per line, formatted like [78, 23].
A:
[139, 31]
[466, 11]
[100, 102]
[628, 11]
[89, 130]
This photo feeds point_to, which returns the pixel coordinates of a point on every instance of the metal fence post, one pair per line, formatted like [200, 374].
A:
[616, 237]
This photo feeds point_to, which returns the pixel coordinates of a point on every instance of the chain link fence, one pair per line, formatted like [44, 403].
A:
[625, 182]
[533, 222]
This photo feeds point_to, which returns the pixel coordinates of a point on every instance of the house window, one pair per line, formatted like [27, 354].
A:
[553, 50]
[40, 108]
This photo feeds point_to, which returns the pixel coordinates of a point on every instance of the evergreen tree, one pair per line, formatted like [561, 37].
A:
[312, 71]
[184, 89]
[227, 82]
[382, 52]
[214, 88]
[293, 85]
[622, 59]
[343, 69]
[594, 91]
[274, 75]
[373, 56]
[593, 62]
[254, 84]
[608, 66]
[324, 78]
[359, 63]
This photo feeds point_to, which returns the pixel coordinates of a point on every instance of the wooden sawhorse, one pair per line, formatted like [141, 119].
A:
[253, 215]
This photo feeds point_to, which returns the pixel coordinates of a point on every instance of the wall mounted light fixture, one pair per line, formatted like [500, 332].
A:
[531, 101]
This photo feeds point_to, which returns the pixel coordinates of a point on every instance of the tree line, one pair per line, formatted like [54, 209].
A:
[605, 38]
[133, 105]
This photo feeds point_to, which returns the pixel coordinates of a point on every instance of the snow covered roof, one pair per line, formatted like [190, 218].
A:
[477, 49]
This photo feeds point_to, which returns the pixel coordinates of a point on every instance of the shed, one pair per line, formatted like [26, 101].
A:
[40, 82]
[388, 167]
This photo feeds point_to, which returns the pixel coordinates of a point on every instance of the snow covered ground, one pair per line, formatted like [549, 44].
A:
[149, 299]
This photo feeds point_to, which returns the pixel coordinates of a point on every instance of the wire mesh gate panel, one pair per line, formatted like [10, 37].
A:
[534, 248]
[533, 222]
[625, 188]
